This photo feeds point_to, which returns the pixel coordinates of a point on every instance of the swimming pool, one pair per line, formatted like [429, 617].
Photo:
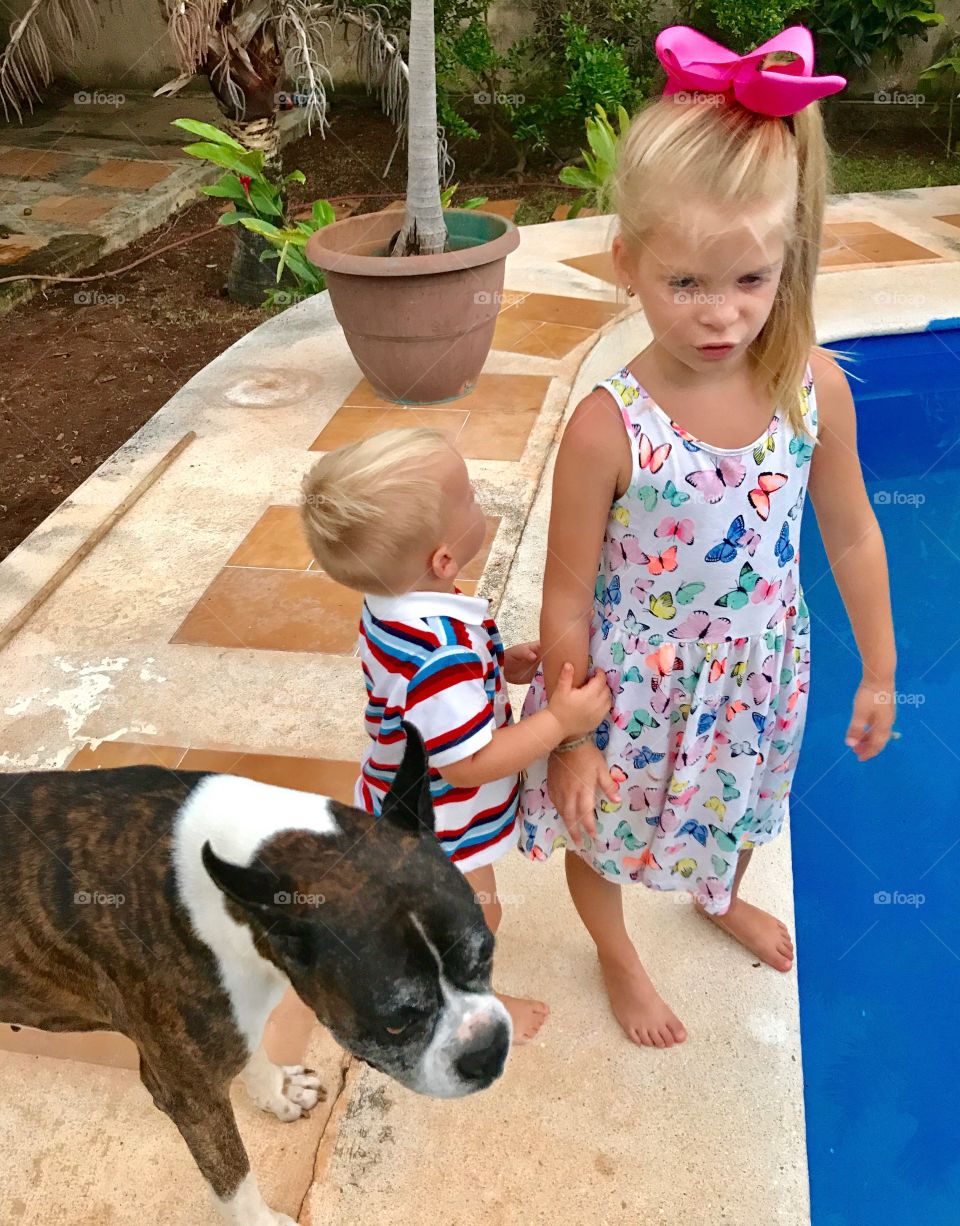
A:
[876, 846]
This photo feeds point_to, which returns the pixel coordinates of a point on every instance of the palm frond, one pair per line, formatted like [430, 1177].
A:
[193, 27]
[48, 30]
[301, 28]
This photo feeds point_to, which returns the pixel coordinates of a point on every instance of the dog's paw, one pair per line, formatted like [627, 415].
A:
[289, 1093]
[302, 1087]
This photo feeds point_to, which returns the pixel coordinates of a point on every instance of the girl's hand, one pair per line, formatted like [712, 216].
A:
[520, 663]
[573, 780]
[874, 709]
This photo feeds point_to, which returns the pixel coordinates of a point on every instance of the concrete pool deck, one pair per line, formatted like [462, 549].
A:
[197, 634]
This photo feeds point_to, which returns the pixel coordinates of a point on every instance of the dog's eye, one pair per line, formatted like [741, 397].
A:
[402, 1020]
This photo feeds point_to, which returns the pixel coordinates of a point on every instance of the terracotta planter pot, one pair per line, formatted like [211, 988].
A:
[420, 327]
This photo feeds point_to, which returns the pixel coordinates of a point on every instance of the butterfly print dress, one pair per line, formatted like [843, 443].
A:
[701, 627]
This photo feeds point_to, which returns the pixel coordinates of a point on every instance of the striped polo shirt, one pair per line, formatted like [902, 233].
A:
[436, 659]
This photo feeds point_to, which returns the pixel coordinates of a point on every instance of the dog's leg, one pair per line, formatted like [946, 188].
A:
[204, 1116]
[288, 1091]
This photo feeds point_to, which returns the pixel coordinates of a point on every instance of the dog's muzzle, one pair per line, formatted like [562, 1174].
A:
[469, 1047]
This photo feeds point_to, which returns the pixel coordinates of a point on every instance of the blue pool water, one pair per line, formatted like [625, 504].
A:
[880, 980]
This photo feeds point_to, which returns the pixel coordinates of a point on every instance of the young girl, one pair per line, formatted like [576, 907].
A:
[686, 474]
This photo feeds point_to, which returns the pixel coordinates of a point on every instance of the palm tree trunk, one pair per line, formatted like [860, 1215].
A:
[424, 231]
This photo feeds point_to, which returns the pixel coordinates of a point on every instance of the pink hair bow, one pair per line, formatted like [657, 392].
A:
[695, 62]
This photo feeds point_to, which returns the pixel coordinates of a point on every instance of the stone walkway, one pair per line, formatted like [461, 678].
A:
[86, 176]
[199, 634]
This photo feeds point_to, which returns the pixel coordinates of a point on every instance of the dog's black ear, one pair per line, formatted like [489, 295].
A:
[408, 803]
[249, 885]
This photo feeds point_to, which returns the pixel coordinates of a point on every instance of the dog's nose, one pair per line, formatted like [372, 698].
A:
[482, 1062]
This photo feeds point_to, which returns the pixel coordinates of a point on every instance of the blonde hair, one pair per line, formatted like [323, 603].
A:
[372, 510]
[708, 147]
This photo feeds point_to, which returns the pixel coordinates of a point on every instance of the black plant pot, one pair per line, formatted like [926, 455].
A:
[249, 278]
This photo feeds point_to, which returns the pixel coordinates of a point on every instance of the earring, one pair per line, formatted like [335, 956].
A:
[630, 291]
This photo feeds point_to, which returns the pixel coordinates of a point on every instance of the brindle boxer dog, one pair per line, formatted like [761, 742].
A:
[176, 907]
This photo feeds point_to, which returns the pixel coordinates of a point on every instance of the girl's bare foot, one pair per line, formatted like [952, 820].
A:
[763, 934]
[643, 1014]
[527, 1015]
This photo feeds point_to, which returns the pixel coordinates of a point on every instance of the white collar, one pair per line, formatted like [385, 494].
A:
[411, 606]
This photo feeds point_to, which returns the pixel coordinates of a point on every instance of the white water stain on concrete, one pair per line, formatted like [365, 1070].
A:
[147, 673]
[768, 1028]
[90, 680]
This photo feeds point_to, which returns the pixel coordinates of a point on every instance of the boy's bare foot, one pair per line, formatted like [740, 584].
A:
[527, 1015]
[763, 934]
[645, 1017]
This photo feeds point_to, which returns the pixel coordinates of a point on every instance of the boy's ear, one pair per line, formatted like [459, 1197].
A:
[443, 563]
[408, 804]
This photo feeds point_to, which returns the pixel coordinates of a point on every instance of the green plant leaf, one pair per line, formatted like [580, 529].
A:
[475, 202]
[209, 132]
[574, 176]
[229, 188]
[296, 176]
[265, 199]
[232, 219]
[323, 213]
[249, 163]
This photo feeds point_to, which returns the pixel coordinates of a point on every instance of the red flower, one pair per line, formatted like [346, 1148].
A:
[245, 181]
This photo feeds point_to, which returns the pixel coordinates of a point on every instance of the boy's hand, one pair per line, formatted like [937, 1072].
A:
[874, 708]
[580, 710]
[573, 781]
[520, 663]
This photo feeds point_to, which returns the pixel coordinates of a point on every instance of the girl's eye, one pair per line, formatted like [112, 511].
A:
[753, 278]
[681, 282]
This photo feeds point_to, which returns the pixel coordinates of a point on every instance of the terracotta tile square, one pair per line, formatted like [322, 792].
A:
[886, 248]
[103, 1047]
[497, 434]
[18, 246]
[275, 542]
[951, 219]
[842, 257]
[323, 776]
[31, 163]
[845, 229]
[128, 173]
[578, 312]
[502, 208]
[562, 212]
[502, 410]
[474, 568]
[598, 265]
[351, 424]
[76, 210]
[512, 330]
[274, 610]
[552, 341]
[126, 753]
